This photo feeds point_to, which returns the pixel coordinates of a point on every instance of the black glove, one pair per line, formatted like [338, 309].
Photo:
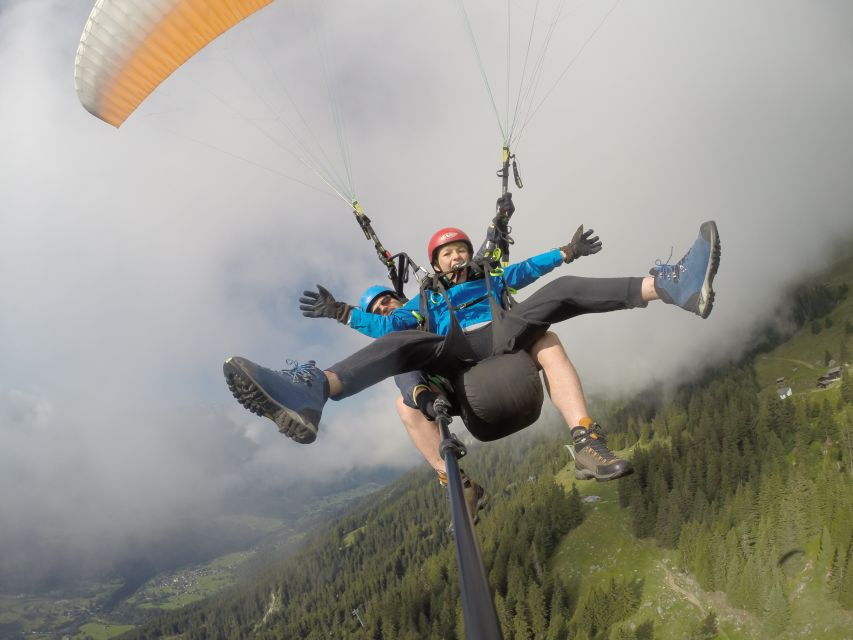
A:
[504, 206]
[322, 304]
[426, 403]
[581, 245]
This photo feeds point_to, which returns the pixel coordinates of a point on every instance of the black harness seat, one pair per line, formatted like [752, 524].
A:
[501, 394]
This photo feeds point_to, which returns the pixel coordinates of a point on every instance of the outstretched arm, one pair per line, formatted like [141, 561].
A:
[322, 304]
[583, 243]
[524, 273]
[376, 326]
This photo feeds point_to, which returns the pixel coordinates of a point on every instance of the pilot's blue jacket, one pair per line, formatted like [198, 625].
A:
[516, 276]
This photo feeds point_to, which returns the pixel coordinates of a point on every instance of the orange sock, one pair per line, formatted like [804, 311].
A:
[585, 422]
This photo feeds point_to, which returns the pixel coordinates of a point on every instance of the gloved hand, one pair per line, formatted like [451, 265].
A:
[426, 403]
[581, 245]
[505, 206]
[322, 304]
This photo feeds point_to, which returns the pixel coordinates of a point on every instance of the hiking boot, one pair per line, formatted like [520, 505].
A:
[593, 459]
[475, 497]
[292, 398]
[687, 283]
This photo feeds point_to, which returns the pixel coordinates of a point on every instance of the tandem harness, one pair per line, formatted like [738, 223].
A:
[501, 393]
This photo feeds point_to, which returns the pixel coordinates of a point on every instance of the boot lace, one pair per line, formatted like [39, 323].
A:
[597, 441]
[666, 271]
[301, 373]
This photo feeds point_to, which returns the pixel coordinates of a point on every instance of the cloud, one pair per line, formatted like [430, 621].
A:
[136, 260]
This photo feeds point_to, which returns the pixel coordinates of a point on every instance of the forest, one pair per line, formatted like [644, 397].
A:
[749, 493]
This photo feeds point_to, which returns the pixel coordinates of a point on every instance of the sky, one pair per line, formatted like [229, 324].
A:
[136, 260]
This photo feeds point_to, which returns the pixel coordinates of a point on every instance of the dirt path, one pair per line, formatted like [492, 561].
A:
[692, 599]
[805, 364]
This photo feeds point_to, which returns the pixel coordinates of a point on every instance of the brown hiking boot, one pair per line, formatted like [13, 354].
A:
[475, 497]
[593, 459]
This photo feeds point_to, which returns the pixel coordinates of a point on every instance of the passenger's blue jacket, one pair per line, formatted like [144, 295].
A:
[517, 276]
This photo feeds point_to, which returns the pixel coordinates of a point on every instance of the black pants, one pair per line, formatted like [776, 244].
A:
[520, 327]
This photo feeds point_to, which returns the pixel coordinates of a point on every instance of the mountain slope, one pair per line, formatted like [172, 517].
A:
[737, 524]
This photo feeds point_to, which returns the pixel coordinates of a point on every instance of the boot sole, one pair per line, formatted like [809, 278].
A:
[586, 474]
[481, 504]
[252, 396]
[706, 295]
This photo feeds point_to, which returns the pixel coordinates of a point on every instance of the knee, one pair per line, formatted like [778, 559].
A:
[567, 281]
[402, 407]
[548, 340]
[412, 419]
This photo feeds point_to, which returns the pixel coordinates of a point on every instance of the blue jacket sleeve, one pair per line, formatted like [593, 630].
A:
[376, 326]
[521, 274]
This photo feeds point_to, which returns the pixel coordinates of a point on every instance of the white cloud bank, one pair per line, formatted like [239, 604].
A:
[135, 260]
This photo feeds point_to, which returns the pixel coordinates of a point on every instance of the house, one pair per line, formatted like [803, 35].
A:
[831, 375]
[784, 392]
[823, 382]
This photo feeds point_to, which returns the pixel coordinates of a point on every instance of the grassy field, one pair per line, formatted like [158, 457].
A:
[101, 631]
[350, 538]
[40, 617]
[43, 617]
[801, 359]
[603, 547]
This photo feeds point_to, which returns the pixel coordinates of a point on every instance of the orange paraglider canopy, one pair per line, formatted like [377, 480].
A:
[128, 48]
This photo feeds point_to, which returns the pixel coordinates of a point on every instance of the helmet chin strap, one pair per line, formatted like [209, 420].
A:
[452, 274]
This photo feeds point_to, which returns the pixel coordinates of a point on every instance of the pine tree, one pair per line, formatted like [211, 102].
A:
[536, 609]
[503, 617]
[846, 385]
[707, 629]
[632, 436]
[521, 623]
[557, 627]
[845, 583]
[623, 632]
[777, 610]
[834, 574]
[645, 630]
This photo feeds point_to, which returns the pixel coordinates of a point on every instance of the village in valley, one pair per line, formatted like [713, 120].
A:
[832, 375]
[818, 360]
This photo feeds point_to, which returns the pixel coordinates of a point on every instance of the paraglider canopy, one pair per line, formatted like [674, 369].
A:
[128, 48]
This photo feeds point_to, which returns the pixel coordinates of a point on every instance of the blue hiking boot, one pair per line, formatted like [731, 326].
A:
[687, 283]
[292, 398]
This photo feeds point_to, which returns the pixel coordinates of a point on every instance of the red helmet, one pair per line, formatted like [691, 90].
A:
[446, 236]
